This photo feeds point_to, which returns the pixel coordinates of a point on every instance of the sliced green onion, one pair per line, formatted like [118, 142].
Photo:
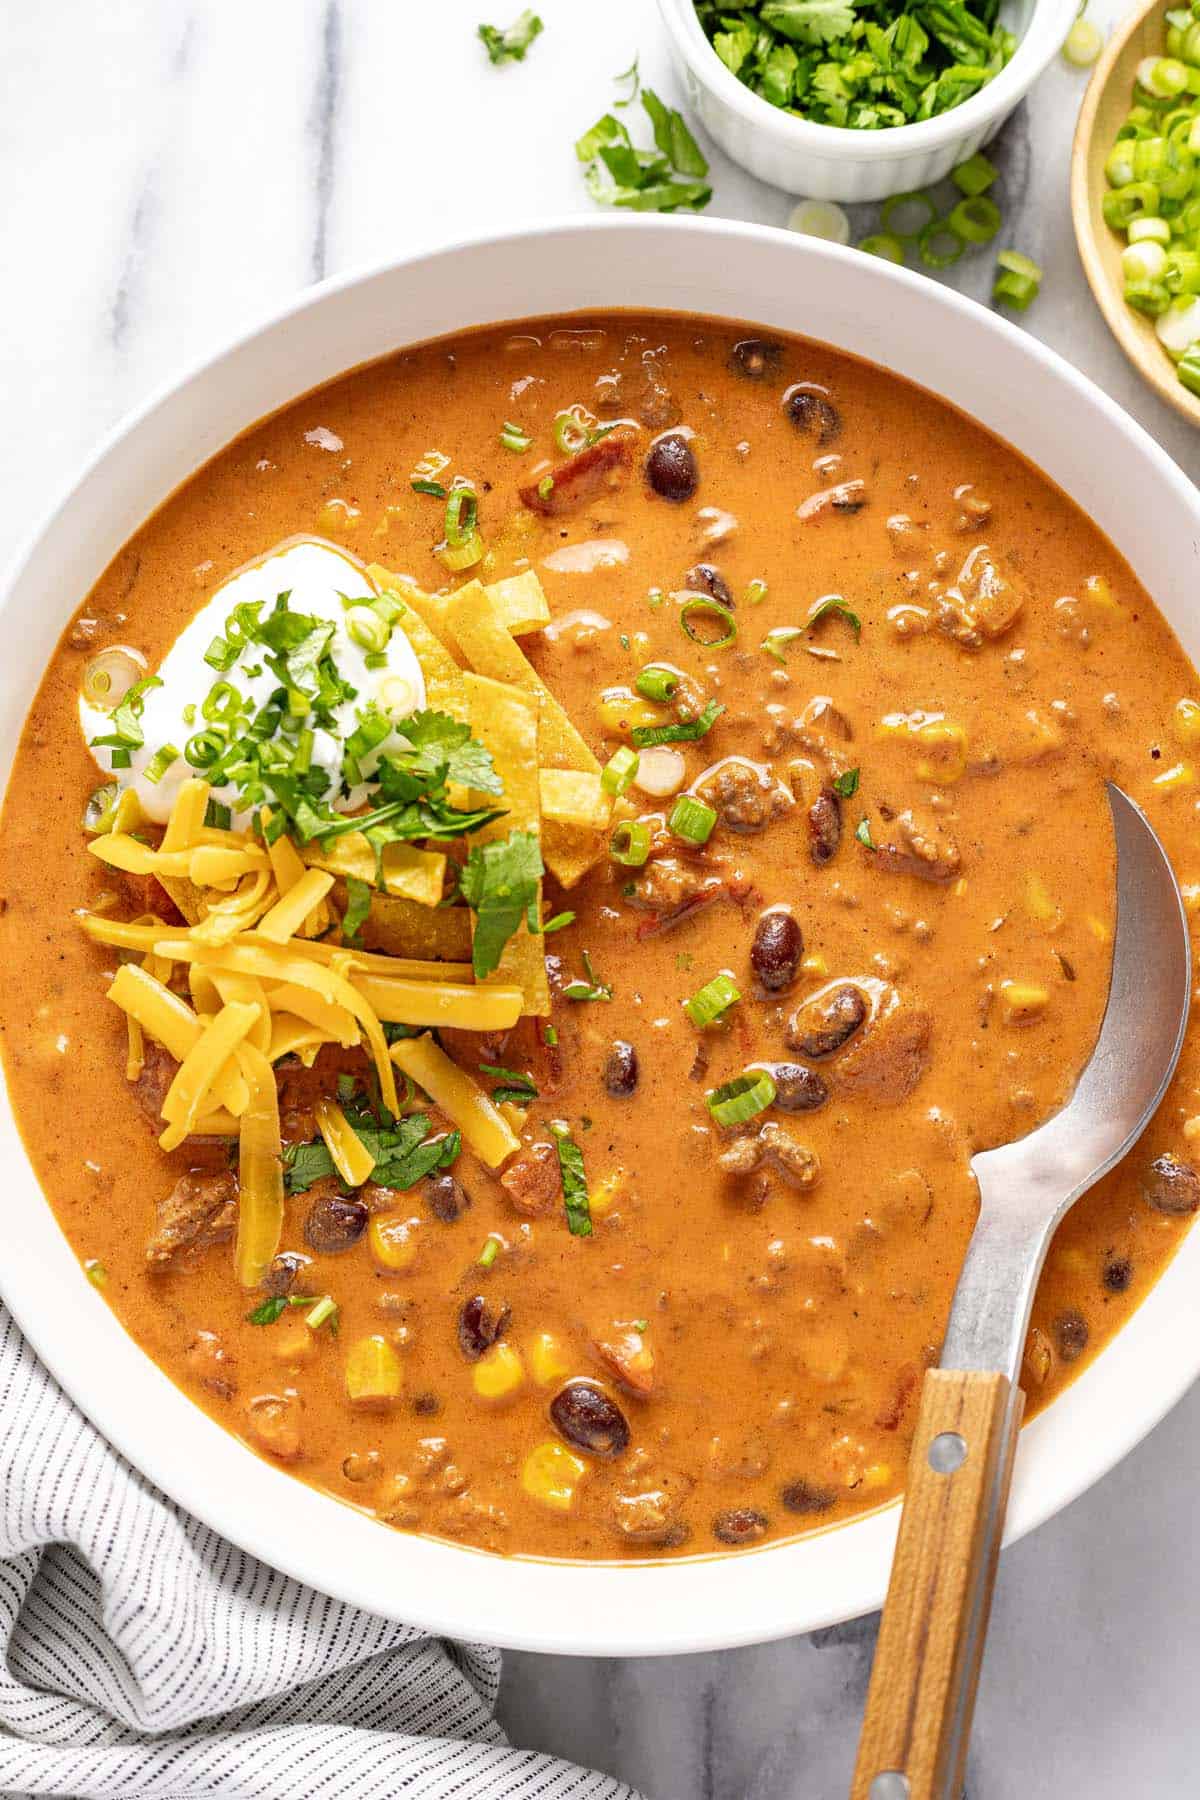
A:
[1084, 44]
[325, 1312]
[1121, 205]
[1149, 230]
[221, 702]
[713, 1000]
[820, 219]
[457, 557]
[1149, 297]
[513, 438]
[221, 655]
[777, 640]
[646, 737]
[939, 245]
[1147, 261]
[655, 682]
[975, 176]
[217, 817]
[630, 843]
[489, 1253]
[756, 593]
[907, 215]
[977, 219]
[462, 514]
[1018, 281]
[571, 433]
[742, 1098]
[101, 807]
[366, 629]
[862, 832]
[545, 487]
[429, 487]
[833, 604]
[1162, 76]
[692, 820]
[1179, 327]
[1188, 368]
[203, 749]
[885, 244]
[619, 771]
[1180, 272]
[160, 762]
[700, 607]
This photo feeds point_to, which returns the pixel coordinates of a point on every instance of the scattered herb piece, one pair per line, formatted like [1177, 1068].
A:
[520, 1089]
[489, 1253]
[664, 179]
[325, 1312]
[634, 79]
[358, 908]
[862, 832]
[847, 784]
[304, 1164]
[96, 1273]
[646, 737]
[499, 881]
[576, 1198]
[559, 922]
[268, 1311]
[429, 487]
[505, 44]
[591, 989]
[835, 605]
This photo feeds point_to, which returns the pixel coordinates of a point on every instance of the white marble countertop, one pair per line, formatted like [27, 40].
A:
[174, 168]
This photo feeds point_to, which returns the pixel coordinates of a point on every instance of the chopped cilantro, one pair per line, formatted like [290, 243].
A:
[505, 44]
[846, 785]
[358, 908]
[664, 179]
[559, 922]
[645, 737]
[303, 1164]
[862, 832]
[520, 1089]
[499, 881]
[591, 989]
[576, 1199]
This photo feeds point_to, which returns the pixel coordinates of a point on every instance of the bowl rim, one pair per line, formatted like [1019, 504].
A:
[1156, 371]
[1046, 32]
[701, 1603]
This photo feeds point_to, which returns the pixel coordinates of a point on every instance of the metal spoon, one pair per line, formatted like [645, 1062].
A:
[922, 1694]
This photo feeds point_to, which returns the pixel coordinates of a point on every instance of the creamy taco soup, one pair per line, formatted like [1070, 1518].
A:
[525, 884]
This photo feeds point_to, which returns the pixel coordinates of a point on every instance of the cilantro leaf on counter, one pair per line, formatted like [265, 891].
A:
[664, 179]
[499, 882]
[509, 43]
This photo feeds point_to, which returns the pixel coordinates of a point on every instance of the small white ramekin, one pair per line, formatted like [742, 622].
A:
[827, 162]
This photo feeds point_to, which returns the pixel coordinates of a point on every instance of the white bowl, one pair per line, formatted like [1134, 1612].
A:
[999, 375]
[830, 163]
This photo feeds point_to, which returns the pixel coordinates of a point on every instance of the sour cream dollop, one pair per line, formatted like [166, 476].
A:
[319, 580]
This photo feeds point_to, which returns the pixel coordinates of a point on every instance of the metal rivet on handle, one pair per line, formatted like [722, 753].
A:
[890, 1785]
[947, 1452]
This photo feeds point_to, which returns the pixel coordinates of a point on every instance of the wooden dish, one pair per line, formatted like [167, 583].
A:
[1109, 97]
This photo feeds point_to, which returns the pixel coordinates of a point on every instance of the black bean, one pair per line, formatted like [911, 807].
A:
[797, 1089]
[584, 1415]
[755, 358]
[740, 1525]
[426, 1405]
[824, 827]
[811, 411]
[702, 578]
[480, 1325]
[671, 467]
[1171, 1186]
[334, 1223]
[820, 1028]
[282, 1273]
[1071, 1335]
[621, 1069]
[1118, 1273]
[776, 949]
[446, 1197]
[807, 1497]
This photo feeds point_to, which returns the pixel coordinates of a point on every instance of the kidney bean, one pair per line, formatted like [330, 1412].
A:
[797, 1089]
[755, 358]
[803, 1496]
[671, 468]
[480, 1325]
[776, 949]
[621, 1069]
[703, 578]
[821, 1027]
[1171, 1186]
[824, 827]
[334, 1223]
[586, 1417]
[740, 1525]
[1071, 1335]
[812, 412]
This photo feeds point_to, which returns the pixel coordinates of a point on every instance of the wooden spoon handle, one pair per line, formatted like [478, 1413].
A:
[922, 1693]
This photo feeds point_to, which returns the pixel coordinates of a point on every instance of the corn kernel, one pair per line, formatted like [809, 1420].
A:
[393, 1241]
[1191, 897]
[551, 1473]
[1098, 590]
[374, 1373]
[814, 965]
[620, 709]
[294, 1344]
[960, 887]
[1022, 1002]
[1191, 1128]
[548, 1361]
[498, 1373]
[1039, 903]
[1098, 929]
[943, 741]
[337, 517]
[607, 1193]
[1180, 775]
[1185, 722]
[877, 1475]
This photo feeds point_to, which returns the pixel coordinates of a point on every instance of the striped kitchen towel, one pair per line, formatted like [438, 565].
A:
[145, 1656]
